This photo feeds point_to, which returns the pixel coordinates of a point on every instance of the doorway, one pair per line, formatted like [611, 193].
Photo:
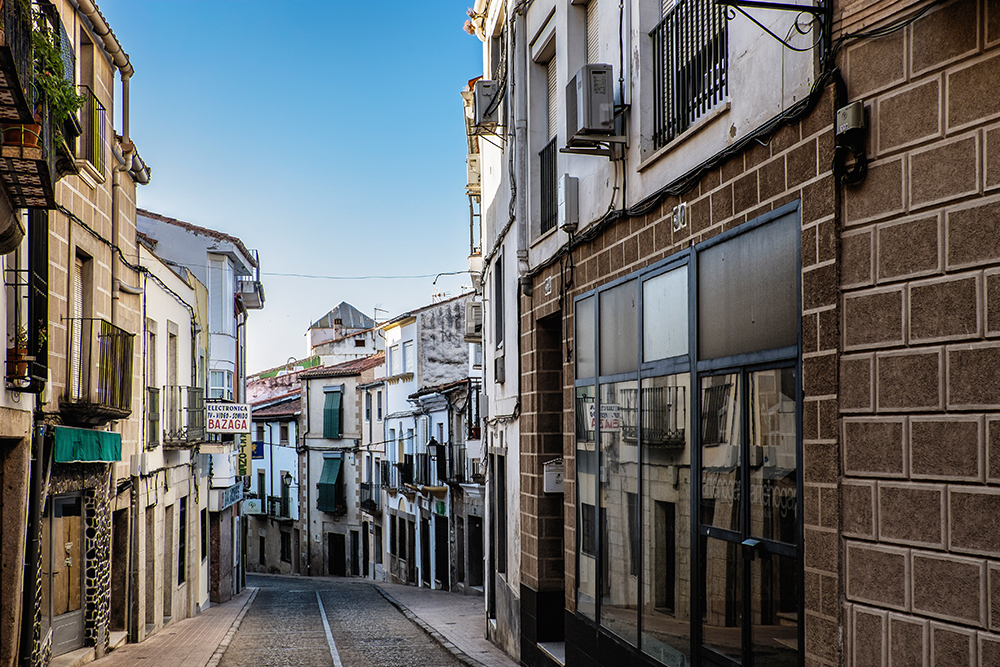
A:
[441, 552]
[366, 548]
[63, 568]
[476, 551]
[337, 554]
[355, 556]
[119, 569]
[748, 563]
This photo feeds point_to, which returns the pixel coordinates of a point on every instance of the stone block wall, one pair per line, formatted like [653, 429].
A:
[919, 386]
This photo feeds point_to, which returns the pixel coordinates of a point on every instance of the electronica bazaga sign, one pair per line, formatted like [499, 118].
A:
[228, 417]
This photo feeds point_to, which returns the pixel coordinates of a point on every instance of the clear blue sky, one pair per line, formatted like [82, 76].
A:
[328, 135]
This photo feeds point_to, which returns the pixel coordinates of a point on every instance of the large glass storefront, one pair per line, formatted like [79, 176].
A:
[688, 461]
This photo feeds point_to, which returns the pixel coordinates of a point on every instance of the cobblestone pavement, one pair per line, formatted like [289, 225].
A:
[285, 626]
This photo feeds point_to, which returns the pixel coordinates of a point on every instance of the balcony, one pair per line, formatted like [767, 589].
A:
[422, 471]
[16, 57]
[184, 414]
[456, 464]
[252, 293]
[31, 158]
[98, 374]
[278, 507]
[91, 156]
[401, 474]
[371, 498]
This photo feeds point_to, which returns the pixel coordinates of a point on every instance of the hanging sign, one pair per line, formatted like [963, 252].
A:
[228, 417]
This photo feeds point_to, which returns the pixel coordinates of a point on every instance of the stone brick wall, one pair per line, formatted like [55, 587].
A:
[918, 379]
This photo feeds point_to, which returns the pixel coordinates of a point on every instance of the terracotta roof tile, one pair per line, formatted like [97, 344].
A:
[352, 367]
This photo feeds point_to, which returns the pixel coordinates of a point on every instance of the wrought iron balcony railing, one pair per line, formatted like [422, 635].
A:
[93, 146]
[401, 474]
[456, 464]
[422, 471]
[16, 55]
[98, 374]
[278, 507]
[371, 497]
[184, 414]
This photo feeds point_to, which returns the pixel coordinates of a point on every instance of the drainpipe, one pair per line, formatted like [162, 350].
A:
[123, 162]
[34, 543]
[520, 84]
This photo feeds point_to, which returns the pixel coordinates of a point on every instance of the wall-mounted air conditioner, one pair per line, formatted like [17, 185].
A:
[486, 112]
[590, 103]
[473, 321]
[474, 173]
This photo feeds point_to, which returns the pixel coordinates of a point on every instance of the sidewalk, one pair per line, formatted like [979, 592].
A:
[194, 642]
[456, 621]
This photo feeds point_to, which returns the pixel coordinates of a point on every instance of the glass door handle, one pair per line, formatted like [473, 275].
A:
[750, 548]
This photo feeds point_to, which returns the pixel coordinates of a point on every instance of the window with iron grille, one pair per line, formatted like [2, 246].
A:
[690, 64]
[550, 201]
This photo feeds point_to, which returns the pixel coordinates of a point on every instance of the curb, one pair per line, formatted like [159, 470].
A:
[228, 639]
[459, 654]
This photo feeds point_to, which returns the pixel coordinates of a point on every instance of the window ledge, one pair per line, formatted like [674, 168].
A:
[544, 235]
[89, 173]
[684, 136]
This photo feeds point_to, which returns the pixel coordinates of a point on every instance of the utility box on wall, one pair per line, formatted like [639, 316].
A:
[552, 476]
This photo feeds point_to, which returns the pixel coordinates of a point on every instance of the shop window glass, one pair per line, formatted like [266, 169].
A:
[720, 451]
[665, 315]
[666, 516]
[748, 296]
[586, 488]
[619, 328]
[585, 365]
[773, 461]
[619, 478]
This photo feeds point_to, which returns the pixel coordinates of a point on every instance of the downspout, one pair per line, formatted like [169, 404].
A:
[519, 145]
[33, 555]
[123, 163]
[118, 56]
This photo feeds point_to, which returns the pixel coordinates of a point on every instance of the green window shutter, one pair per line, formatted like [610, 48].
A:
[331, 415]
[327, 486]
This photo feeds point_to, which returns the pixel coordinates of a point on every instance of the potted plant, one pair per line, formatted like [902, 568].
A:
[51, 88]
[17, 354]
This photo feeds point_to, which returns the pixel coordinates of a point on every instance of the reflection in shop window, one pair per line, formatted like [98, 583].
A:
[619, 475]
[666, 516]
[586, 465]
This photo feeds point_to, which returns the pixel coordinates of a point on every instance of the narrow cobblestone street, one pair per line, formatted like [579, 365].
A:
[286, 626]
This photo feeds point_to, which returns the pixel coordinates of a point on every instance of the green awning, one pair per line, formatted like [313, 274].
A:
[327, 501]
[83, 444]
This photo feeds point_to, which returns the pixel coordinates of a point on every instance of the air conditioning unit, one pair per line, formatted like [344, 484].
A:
[473, 321]
[590, 103]
[474, 173]
[486, 112]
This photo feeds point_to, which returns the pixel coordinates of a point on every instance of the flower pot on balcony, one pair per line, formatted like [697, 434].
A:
[23, 134]
[17, 362]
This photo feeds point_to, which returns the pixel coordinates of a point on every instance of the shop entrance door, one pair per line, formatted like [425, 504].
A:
[62, 589]
[748, 560]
